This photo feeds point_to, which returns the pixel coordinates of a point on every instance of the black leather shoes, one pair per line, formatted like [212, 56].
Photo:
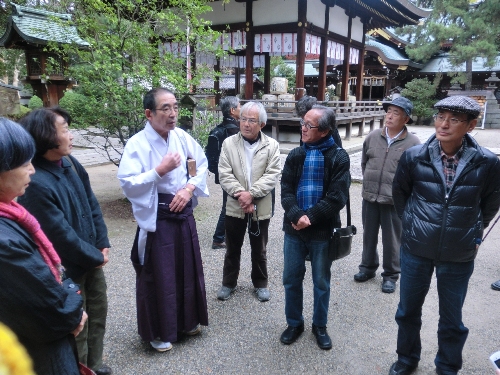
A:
[400, 368]
[388, 286]
[104, 370]
[291, 334]
[363, 276]
[322, 338]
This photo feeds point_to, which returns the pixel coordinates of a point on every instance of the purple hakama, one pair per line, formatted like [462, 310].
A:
[170, 286]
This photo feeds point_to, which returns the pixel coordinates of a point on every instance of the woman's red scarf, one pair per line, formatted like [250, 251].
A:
[14, 211]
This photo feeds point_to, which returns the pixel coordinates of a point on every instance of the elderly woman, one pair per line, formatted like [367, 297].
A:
[37, 303]
[61, 198]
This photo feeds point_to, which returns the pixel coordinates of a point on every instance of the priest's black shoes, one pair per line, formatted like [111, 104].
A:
[322, 338]
[291, 334]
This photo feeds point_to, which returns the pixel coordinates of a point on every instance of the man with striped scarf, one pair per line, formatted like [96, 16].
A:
[314, 188]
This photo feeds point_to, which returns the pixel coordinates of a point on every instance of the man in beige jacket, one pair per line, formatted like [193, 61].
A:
[249, 165]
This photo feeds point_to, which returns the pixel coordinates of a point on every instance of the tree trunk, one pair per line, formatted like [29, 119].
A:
[468, 74]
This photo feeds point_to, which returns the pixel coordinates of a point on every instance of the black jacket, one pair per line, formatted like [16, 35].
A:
[68, 211]
[324, 216]
[231, 127]
[439, 225]
[40, 311]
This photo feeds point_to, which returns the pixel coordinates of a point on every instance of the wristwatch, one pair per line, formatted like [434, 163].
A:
[188, 189]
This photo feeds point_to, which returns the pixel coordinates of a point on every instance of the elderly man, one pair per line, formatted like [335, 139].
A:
[314, 188]
[230, 107]
[153, 173]
[446, 192]
[379, 160]
[249, 165]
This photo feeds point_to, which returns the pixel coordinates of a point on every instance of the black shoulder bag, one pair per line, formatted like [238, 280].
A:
[341, 240]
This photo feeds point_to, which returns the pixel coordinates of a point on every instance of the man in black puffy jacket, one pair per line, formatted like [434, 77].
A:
[446, 192]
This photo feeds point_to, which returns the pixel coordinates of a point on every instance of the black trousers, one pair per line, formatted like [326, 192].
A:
[235, 235]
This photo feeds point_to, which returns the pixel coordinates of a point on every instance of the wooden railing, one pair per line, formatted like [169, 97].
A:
[348, 113]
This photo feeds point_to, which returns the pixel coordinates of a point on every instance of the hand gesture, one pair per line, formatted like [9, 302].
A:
[169, 162]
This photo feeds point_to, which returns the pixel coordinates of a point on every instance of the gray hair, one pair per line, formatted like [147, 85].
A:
[304, 104]
[227, 103]
[327, 119]
[262, 111]
[16, 145]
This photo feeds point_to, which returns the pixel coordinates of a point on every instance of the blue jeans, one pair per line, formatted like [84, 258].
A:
[452, 282]
[295, 251]
[220, 229]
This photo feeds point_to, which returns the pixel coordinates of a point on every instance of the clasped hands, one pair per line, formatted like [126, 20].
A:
[245, 200]
[302, 223]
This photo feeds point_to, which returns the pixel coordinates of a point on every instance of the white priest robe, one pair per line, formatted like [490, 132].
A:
[140, 182]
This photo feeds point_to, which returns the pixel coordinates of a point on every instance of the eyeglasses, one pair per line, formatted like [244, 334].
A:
[307, 125]
[453, 121]
[251, 121]
[168, 109]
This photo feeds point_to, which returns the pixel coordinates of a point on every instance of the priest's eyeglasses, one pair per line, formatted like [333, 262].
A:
[168, 109]
[307, 125]
[453, 121]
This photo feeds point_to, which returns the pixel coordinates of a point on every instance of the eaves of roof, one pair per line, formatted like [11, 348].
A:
[35, 26]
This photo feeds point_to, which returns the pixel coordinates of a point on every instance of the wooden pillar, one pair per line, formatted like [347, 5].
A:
[301, 50]
[249, 52]
[237, 88]
[267, 73]
[345, 67]
[217, 82]
[323, 59]
[361, 68]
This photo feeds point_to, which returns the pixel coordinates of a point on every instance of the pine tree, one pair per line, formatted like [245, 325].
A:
[467, 28]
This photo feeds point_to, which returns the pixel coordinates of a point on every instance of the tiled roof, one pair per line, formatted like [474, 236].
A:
[441, 63]
[389, 53]
[36, 26]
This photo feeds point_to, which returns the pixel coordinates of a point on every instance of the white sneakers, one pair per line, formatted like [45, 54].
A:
[160, 345]
[166, 346]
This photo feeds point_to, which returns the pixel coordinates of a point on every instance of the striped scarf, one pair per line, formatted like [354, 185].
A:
[15, 212]
[310, 189]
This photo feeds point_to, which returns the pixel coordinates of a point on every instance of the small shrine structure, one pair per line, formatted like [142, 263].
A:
[32, 30]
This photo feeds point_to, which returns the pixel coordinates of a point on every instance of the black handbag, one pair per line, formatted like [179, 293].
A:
[341, 240]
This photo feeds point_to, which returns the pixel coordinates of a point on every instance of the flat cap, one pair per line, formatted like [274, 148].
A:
[402, 103]
[460, 104]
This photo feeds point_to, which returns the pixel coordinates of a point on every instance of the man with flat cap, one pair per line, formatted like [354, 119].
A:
[382, 149]
[446, 192]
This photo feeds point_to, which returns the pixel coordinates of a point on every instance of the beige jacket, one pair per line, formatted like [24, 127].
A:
[266, 168]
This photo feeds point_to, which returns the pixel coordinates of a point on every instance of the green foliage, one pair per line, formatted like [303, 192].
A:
[422, 93]
[124, 59]
[23, 111]
[35, 102]
[80, 108]
[279, 68]
[469, 30]
[204, 121]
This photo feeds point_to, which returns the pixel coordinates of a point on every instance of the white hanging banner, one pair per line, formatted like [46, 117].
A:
[277, 43]
[288, 43]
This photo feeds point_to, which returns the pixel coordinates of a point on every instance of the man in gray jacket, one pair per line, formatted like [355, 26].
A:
[249, 166]
[381, 152]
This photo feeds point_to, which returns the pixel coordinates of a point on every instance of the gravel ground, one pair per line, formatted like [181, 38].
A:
[243, 333]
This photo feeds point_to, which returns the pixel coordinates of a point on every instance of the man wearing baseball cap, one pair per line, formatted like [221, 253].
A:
[382, 149]
[446, 192]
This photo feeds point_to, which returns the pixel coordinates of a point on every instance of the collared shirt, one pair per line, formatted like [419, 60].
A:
[391, 140]
[450, 163]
